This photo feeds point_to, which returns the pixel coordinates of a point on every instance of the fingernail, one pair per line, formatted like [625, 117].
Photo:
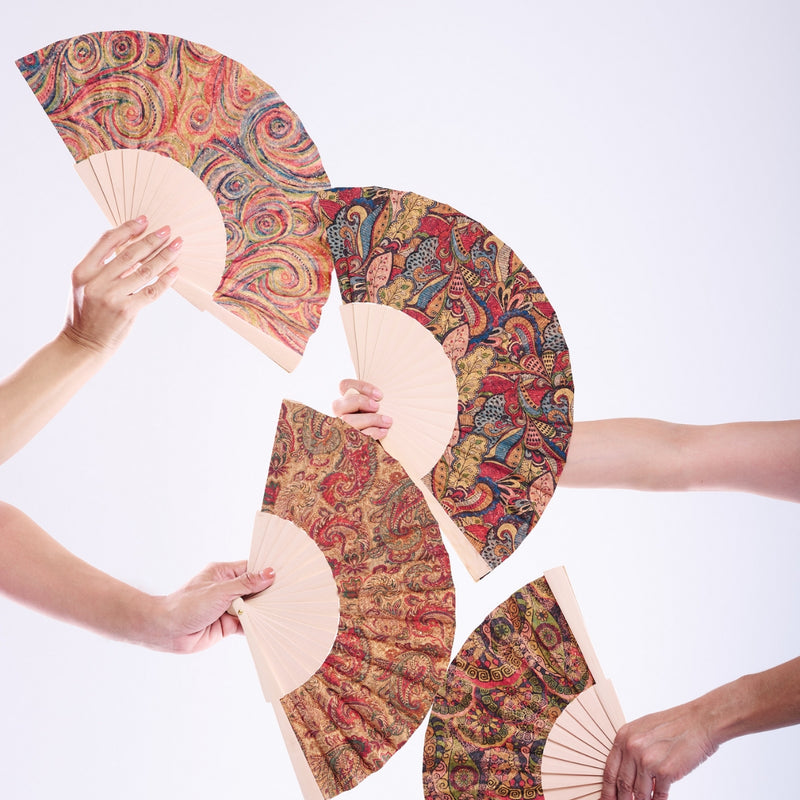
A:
[176, 244]
[162, 232]
[377, 394]
[141, 219]
[268, 572]
[386, 420]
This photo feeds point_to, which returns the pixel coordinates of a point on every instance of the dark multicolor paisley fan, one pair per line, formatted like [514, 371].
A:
[169, 128]
[513, 416]
[344, 711]
[525, 711]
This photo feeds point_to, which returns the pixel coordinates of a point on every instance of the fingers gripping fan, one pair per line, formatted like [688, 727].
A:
[501, 339]
[525, 711]
[162, 126]
[346, 697]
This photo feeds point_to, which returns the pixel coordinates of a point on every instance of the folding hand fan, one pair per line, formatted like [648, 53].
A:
[236, 179]
[346, 707]
[502, 338]
[525, 711]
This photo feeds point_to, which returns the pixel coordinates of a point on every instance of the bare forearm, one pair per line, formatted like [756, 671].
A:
[37, 571]
[759, 702]
[651, 455]
[40, 388]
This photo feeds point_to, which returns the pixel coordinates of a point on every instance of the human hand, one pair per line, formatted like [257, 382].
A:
[113, 283]
[358, 406]
[651, 753]
[195, 617]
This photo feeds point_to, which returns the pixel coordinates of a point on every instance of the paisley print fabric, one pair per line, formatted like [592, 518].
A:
[131, 89]
[501, 334]
[396, 596]
[504, 690]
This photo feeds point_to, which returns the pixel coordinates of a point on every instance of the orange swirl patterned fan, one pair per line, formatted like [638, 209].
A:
[504, 451]
[525, 711]
[347, 696]
[169, 128]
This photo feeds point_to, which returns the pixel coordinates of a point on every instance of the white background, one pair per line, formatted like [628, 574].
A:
[640, 157]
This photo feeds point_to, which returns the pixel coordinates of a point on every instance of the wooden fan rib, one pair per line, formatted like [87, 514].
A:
[278, 540]
[476, 564]
[306, 779]
[438, 420]
[581, 792]
[288, 618]
[611, 705]
[284, 675]
[575, 782]
[130, 168]
[560, 585]
[593, 710]
[89, 173]
[298, 586]
[578, 745]
[557, 766]
[301, 557]
[371, 338]
[292, 625]
[580, 725]
[567, 751]
[297, 662]
[144, 168]
[116, 170]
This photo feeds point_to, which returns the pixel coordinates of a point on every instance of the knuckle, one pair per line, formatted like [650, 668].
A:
[145, 271]
[250, 581]
[624, 787]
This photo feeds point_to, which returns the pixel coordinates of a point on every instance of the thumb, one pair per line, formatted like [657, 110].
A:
[250, 582]
[245, 584]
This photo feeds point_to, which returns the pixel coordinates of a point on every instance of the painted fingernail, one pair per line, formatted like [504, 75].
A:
[176, 244]
[268, 572]
[162, 232]
[377, 394]
[141, 219]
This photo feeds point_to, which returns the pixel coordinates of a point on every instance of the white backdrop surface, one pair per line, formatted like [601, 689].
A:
[642, 160]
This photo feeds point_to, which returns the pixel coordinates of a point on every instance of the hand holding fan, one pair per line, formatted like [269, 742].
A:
[525, 711]
[252, 256]
[346, 697]
[503, 342]
[391, 350]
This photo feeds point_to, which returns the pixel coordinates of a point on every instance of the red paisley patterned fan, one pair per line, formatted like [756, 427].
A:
[347, 709]
[525, 711]
[162, 126]
[449, 274]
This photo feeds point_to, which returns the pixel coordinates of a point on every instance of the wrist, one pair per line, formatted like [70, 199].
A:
[147, 622]
[80, 347]
[726, 711]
